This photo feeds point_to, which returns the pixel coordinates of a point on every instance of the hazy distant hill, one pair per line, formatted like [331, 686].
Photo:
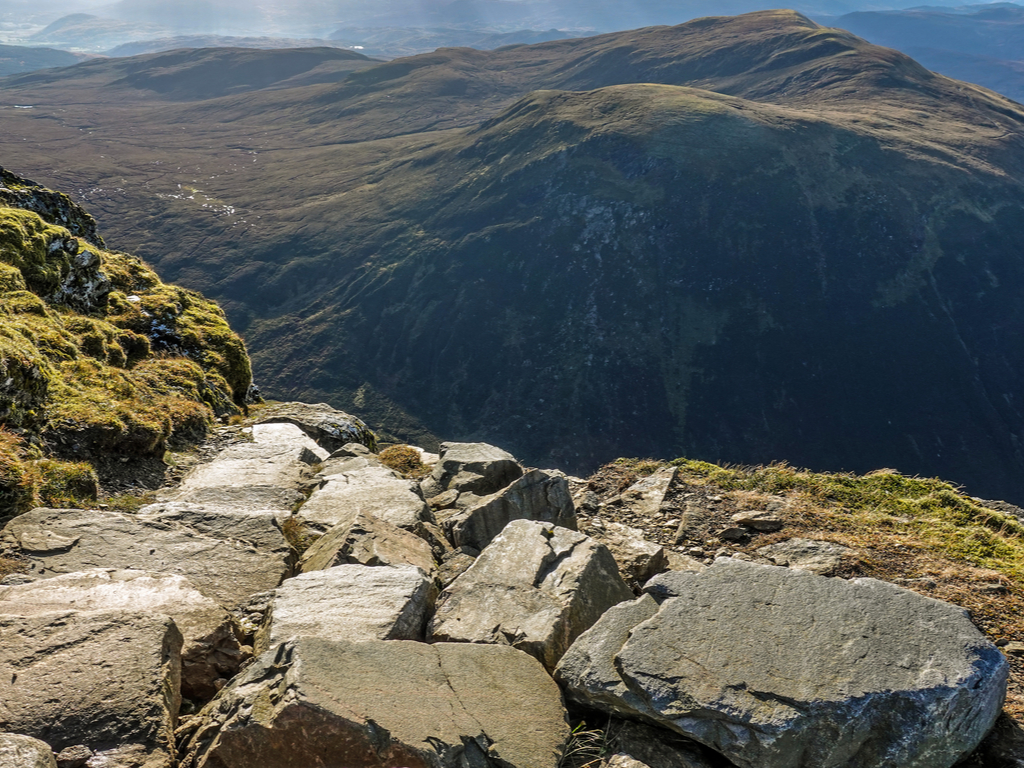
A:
[15, 59]
[140, 47]
[94, 33]
[393, 42]
[981, 44]
[737, 239]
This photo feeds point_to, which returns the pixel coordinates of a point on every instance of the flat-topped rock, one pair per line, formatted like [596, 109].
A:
[781, 668]
[350, 602]
[536, 587]
[258, 528]
[271, 472]
[57, 541]
[541, 495]
[210, 652]
[105, 680]
[645, 497]
[367, 540]
[372, 490]
[329, 428]
[821, 557]
[383, 704]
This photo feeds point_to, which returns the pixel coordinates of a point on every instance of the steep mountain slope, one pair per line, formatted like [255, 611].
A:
[738, 239]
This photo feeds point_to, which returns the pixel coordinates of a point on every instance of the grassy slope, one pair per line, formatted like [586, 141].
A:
[119, 373]
[862, 194]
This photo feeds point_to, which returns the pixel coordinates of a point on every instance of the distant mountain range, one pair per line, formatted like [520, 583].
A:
[739, 239]
[981, 44]
[17, 59]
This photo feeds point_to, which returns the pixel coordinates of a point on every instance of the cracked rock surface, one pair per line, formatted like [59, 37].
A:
[383, 704]
[536, 587]
[780, 668]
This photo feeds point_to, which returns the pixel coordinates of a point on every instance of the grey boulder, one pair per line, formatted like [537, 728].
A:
[383, 704]
[367, 540]
[210, 653]
[638, 558]
[476, 468]
[106, 680]
[256, 528]
[536, 588]
[18, 751]
[372, 490]
[541, 495]
[330, 428]
[350, 602]
[781, 668]
[56, 541]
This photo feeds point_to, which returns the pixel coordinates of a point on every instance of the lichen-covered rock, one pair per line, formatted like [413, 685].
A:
[781, 668]
[383, 704]
[367, 540]
[56, 541]
[350, 602]
[537, 587]
[541, 495]
[106, 680]
[54, 207]
[210, 652]
[476, 468]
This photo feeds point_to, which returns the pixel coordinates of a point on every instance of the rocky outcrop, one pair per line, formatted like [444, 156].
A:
[540, 494]
[210, 652]
[271, 472]
[371, 489]
[330, 428]
[350, 602]
[54, 207]
[476, 468]
[25, 752]
[367, 540]
[56, 541]
[105, 680]
[536, 588]
[383, 704]
[810, 671]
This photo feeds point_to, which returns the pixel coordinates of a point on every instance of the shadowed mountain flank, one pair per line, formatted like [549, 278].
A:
[741, 239]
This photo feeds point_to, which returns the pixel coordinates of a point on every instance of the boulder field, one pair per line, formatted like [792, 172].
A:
[296, 603]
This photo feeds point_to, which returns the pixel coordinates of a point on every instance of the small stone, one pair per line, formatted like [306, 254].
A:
[74, 757]
[733, 534]
[1014, 649]
[759, 520]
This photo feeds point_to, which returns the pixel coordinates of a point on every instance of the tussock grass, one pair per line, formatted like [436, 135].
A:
[405, 460]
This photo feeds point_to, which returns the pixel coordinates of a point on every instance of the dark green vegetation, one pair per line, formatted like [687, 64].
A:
[981, 44]
[741, 240]
[98, 357]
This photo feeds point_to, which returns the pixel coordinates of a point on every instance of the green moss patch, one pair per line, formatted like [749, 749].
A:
[149, 365]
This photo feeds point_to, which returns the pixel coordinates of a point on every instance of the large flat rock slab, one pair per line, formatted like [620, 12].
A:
[271, 472]
[536, 588]
[258, 528]
[350, 602]
[476, 468]
[56, 541]
[210, 652]
[540, 494]
[781, 668]
[372, 490]
[105, 680]
[383, 705]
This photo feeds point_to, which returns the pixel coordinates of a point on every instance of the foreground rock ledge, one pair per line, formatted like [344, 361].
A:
[314, 702]
[777, 668]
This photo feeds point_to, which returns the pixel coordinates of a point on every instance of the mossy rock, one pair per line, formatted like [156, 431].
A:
[98, 356]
